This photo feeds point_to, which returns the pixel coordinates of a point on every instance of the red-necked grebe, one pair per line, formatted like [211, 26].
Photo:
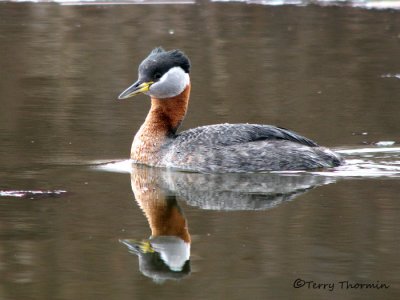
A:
[220, 148]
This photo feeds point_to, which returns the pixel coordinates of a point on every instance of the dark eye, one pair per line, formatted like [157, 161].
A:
[157, 75]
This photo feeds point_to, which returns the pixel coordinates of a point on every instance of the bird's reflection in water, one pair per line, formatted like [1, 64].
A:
[239, 191]
[165, 255]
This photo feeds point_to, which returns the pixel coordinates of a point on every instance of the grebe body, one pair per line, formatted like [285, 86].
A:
[220, 148]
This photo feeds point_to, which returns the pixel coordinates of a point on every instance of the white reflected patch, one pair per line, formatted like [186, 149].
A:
[121, 166]
[391, 75]
[390, 4]
[173, 250]
[31, 194]
[361, 168]
[117, 2]
[367, 162]
[369, 150]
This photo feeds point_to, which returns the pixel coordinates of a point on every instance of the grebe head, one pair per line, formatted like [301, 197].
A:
[162, 74]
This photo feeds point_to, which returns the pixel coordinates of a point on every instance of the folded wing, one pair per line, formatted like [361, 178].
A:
[232, 134]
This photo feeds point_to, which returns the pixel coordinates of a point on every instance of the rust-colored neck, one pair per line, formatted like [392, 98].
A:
[162, 121]
[167, 114]
[162, 212]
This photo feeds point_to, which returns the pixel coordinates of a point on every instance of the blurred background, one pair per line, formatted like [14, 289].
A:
[328, 70]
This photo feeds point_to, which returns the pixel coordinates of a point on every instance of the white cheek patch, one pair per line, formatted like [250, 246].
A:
[171, 84]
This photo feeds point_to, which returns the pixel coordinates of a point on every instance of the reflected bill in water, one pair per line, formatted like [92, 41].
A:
[166, 254]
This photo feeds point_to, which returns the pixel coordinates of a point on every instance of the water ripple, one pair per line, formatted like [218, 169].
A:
[31, 194]
[367, 162]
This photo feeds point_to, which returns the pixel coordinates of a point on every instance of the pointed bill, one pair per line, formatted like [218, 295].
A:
[136, 88]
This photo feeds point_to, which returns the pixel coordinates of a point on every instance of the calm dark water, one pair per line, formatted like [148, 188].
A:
[330, 73]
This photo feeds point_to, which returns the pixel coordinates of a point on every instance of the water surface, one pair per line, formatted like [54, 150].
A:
[329, 73]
